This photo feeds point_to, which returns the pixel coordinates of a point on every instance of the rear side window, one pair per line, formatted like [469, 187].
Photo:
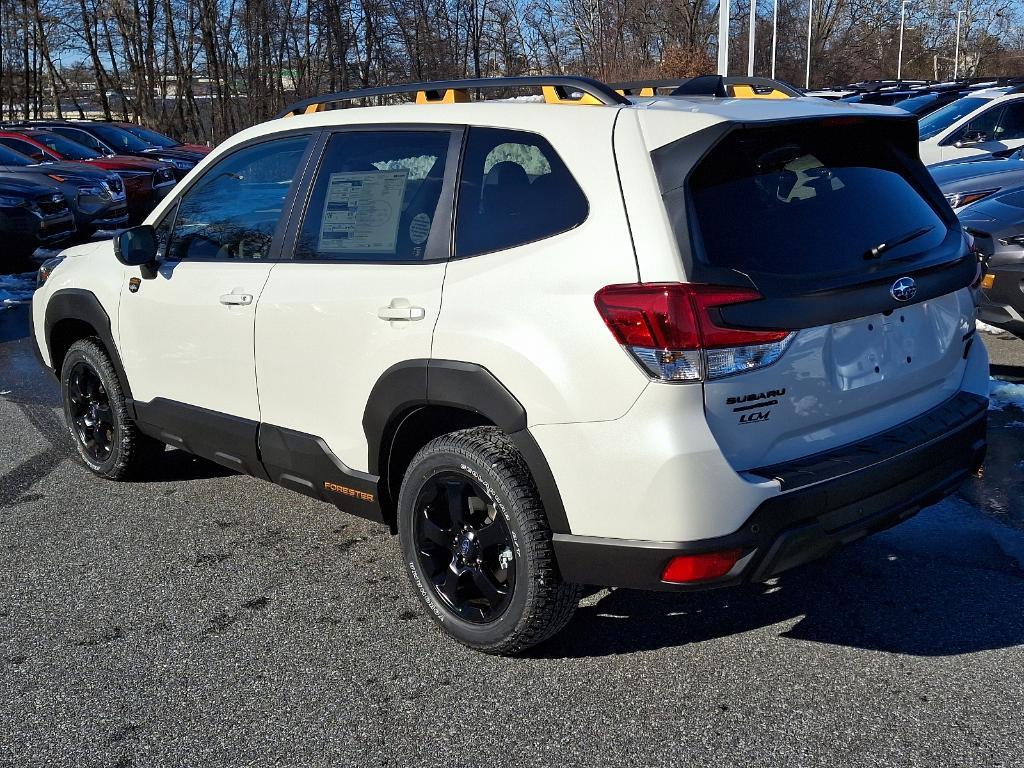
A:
[375, 197]
[805, 200]
[514, 190]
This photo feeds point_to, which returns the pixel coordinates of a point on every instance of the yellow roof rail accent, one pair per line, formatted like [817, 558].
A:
[555, 95]
[742, 91]
[447, 96]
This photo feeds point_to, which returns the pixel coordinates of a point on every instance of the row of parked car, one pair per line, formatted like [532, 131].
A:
[64, 180]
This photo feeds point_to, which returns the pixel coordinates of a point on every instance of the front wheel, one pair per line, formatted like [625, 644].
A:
[96, 415]
[477, 545]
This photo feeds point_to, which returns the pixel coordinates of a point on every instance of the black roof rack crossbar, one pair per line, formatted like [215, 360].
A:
[597, 90]
[630, 86]
[715, 85]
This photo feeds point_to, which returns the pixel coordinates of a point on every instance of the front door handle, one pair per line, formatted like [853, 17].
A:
[400, 309]
[236, 299]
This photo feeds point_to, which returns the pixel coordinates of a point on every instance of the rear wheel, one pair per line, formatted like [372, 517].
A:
[107, 440]
[477, 545]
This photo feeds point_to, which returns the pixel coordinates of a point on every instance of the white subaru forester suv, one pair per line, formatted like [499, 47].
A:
[665, 343]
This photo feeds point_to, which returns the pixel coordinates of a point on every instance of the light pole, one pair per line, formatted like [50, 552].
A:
[723, 37]
[810, 19]
[775, 25]
[956, 54]
[899, 60]
[750, 43]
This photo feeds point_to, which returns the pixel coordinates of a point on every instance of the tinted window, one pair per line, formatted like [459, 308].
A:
[233, 210]
[514, 190]
[81, 137]
[375, 197]
[9, 157]
[19, 145]
[68, 149]
[118, 139]
[1011, 124]
[941, 119]
[150, 136]
[812, 200]
[983, 126]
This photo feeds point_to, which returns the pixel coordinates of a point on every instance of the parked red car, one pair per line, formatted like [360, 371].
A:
[146, 181]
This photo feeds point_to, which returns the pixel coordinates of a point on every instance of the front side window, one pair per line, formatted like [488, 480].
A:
[24, 147]
[81, 137]
[232, 212]
[981, 128]
[375, 197]
[514, 190]
[939, 120]
[1011, 124]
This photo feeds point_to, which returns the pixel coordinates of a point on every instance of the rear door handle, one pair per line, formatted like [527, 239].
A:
[401, 313]
[236, 299]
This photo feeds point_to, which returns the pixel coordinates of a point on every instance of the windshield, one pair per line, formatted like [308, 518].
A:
[914, 103]
[941, 119]
[66, 148]
[118, 139]
[151, 137]
[10, 157]
[810, 201]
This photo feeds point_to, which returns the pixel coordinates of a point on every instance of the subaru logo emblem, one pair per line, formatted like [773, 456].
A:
[904, 289]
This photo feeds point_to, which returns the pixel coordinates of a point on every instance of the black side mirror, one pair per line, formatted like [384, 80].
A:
[136, 247]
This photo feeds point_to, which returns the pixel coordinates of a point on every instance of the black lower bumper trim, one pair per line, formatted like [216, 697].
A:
[833, 499]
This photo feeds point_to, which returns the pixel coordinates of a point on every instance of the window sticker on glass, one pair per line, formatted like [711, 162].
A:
[362, 211]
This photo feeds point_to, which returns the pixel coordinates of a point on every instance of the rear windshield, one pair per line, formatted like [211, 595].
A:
[797, 200]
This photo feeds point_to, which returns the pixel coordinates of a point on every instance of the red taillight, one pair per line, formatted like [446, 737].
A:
[709, 565]
[672, 319]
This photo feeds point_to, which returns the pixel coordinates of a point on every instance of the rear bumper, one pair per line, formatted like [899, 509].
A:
[827, 500]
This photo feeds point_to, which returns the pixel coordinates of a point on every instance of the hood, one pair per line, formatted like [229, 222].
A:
[176, 153]
[127, 163]
[16, 185]
[62, 168]
[970, 177]
[995, 214]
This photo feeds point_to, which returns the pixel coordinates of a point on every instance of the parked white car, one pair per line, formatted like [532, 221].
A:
[676, 343]
[990, 120]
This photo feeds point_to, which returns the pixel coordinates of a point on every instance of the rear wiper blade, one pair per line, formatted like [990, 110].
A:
[878, 250]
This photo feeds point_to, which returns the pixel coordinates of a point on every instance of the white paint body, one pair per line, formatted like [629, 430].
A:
[942, 146]
[632, 458]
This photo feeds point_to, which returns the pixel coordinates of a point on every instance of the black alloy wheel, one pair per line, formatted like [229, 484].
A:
[90, 412]
[464, 547]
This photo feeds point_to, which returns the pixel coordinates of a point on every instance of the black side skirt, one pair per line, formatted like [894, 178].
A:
[293, 460]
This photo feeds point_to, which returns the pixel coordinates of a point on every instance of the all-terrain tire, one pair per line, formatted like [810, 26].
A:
[540, 604]
[130, 452]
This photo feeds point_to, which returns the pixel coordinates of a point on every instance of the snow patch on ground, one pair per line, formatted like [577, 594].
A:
[986, 328]
[1004, 393]
[16, 289]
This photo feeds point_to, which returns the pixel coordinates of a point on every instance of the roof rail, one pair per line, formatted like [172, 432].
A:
[737, 86]
[646, 87]
[557, 89]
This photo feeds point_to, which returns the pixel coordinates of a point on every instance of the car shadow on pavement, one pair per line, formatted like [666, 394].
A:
[868, 596]
[176, 465]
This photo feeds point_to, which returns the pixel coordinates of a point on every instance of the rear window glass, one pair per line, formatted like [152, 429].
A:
[794, 201]
[514, 190]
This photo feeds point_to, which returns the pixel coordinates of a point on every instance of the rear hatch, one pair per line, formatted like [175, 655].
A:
[837, 225]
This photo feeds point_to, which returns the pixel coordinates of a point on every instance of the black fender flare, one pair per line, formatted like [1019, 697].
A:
[80, 304]
[459, 385]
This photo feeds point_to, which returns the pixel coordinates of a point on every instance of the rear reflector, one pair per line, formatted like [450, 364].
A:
[686, 569]
[675, 330]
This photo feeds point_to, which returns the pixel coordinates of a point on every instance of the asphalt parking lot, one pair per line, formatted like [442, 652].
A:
[204, 618]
